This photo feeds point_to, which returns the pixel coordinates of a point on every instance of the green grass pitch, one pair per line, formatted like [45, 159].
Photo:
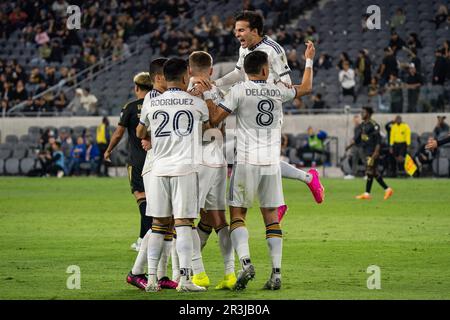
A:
[49, 224]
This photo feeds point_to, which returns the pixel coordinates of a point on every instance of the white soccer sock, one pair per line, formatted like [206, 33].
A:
[291, 172]
[164, 259]
[141, 259]
[184, 250]
[175, 262]
[239, 239]
[276, 251]
[227, 249]
[197, 261]
[154, 248]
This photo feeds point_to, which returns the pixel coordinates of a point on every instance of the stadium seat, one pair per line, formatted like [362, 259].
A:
[441, 167]
[34, 131]
[5, 153]
[11, 139]
[20, 151]
[2, 167]
[12, 166]
[26, 165]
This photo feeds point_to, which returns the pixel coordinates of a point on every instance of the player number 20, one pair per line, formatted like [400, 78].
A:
[175, 123]
[265, 116]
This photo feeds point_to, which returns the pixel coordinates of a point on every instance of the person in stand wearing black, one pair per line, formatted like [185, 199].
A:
[388, 66]
[370, 140]
[364, 65]
[129, 120]
[439, 68]
[103, 139]
[413, 83]
[396, 43]
[441, 127]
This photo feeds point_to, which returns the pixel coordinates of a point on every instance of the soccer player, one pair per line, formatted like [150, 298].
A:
[175, 120]
[370, 140]
[248, 30]
[212, 186]
[159, 86]
[258, 107]
[129, 119]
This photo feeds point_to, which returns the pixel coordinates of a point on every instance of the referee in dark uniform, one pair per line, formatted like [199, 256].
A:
[129, 120]
[370, 140]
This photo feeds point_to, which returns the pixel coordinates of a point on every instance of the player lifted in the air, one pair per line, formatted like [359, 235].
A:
[248, 30]
[258, 108]
[213, 183]
[175, 120]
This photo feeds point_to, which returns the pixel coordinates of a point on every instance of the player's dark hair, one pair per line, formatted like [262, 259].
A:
[369, 110]
[174, 69]
[156, 67]
[200, 60]
[255, 61]
[254, 19]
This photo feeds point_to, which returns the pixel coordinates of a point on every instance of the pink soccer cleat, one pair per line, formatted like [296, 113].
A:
[139, 281]
[282, 211]
[315, 186]
[166, 283]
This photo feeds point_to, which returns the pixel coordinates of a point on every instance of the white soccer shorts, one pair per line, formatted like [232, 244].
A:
[172, 195]
[249, 180]
[213, 187]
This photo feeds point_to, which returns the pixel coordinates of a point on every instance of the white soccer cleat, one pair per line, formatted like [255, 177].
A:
[136, 245]
[190, 287]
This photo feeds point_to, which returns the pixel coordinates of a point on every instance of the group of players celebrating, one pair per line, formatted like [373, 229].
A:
[178, 167]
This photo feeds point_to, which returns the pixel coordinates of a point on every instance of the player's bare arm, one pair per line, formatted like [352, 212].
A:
[305, 88]
[141, 131]
[117, 136]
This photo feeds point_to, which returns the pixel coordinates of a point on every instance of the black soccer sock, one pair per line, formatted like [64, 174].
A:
[146, 221]
[369, 184]
[381, 182]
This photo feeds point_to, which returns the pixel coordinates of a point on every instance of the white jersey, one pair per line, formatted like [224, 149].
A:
[175, 121]
[143, 120]
[259, 116]
[213, 139]
[278, 66]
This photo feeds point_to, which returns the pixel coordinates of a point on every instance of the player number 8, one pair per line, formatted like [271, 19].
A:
[265, 117]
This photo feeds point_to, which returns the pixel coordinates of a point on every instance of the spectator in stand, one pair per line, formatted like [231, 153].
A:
[17, 18]
[284, 154]
[395, 86]
[66, 142]
[89, 101]
[41, 36]
[398, 19]
[441, 127]
[323, 62]
[413, 41]
[7, 92]
[364, 66]
[4, 106]
[343, 57]
[266, 7]
[441, 15]
[347, 80]
[399, 142]
[413, 83]
[77, 156]
[60, 102]
[59, 7]
[93, 156]
[247, 5]
[318, 103]
[312, 35]
[357, 152]
[293, 61]
[388, 66]
[19, 94]
[396, 43]
[374, 88]
[439, 68]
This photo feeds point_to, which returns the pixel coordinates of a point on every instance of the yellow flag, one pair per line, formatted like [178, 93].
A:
[410, 166]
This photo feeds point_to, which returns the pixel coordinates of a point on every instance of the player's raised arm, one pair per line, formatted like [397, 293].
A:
[305, 87]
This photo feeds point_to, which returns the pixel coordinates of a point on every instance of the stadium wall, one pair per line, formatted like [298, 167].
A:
[340, 126]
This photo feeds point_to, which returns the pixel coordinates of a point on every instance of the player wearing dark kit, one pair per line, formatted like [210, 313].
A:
[129, 120]
[370, 141]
